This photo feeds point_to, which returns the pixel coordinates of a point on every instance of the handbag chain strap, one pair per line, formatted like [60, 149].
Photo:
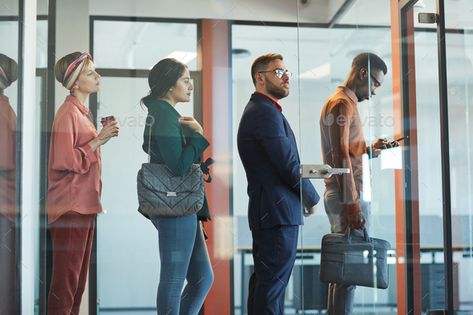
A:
[149, 138]
[204, 166]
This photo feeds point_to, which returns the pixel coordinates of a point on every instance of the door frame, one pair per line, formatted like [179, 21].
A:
[411, 213]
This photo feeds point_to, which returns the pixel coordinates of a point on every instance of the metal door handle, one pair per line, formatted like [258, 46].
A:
[321, 171]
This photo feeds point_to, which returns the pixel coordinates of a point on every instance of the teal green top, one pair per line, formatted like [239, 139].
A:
[173, 144]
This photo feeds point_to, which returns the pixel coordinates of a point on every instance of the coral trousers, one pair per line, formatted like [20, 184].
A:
[72, 236]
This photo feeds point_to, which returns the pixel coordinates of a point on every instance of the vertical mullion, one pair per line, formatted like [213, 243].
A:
[445, 155]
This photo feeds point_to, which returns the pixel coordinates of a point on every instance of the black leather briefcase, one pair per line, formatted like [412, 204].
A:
[354, 259]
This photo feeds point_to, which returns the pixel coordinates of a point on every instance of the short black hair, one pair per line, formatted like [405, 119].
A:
[374, 61]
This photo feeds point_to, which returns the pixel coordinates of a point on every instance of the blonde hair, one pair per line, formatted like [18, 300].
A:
[10, 67]
[62, 64]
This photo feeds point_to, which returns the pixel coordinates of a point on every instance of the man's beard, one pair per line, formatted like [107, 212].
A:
[276, 91]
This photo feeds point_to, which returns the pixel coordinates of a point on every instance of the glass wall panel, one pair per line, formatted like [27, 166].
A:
[459, 46]
[248, 43]
[318, 40]
[122, 226]
[41, 147]
[135, 45]
[344, 110]
[137, 265]
[429, 164]
[427, 121]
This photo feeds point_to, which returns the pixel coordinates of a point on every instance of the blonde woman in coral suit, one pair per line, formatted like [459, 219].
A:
[74, 182]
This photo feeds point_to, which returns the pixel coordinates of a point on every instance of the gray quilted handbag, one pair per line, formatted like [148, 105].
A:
[161, 194]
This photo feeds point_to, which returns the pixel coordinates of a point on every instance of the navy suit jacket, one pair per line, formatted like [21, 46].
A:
[268, 150]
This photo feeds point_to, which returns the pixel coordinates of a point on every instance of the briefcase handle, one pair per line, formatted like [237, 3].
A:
[348, 234]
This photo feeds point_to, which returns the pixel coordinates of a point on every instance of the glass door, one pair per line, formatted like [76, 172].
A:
[346, 105]
[436, 71]
[11, 18]
[122, 226]
[459, 94]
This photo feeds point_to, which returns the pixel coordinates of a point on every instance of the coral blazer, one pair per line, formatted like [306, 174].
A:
[74, 169]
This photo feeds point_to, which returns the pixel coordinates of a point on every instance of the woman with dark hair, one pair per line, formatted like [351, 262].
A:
[74, 182]
[177, 142]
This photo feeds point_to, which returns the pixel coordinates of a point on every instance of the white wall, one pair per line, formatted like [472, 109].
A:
[9, 8]
[72, 34]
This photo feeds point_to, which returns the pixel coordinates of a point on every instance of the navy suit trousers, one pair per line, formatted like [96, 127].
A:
[274, 254]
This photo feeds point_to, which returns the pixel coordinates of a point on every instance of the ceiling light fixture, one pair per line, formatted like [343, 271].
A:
[420, 4]
[240, 52]
[183, 56]
[317, 73]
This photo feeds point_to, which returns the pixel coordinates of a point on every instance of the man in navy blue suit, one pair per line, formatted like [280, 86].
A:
[268, 150]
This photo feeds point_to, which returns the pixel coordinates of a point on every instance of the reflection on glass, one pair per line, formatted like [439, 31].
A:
[343, 146]
[130, 44]
[268, 151]
[321, 71]
[459, 48]
[74, 182]
[177, 142]
[140, 265]
[429, 167]
[8, 250]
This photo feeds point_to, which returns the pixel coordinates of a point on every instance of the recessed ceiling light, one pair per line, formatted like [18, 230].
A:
[240, 52]
[317, 73]
[420, 4]
[183, 56]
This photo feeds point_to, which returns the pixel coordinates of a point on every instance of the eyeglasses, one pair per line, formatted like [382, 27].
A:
[376, 82]
[279, 72]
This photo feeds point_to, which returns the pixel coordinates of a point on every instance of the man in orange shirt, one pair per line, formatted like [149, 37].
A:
[343, 146]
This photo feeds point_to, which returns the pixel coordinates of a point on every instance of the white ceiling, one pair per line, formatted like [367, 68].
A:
[315, 11]
[361, 12]
[139, 45]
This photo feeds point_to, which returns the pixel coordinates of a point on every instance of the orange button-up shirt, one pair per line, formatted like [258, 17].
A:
[343, 143]
[7, 159]
[74, 170]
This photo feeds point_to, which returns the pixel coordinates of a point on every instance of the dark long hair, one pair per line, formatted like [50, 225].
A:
[162, 77]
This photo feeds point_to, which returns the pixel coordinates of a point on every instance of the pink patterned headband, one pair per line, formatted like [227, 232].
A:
[74, 70]
[4, 81]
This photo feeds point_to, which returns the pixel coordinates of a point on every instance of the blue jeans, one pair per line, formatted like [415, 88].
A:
[341, 296]
[184, 256]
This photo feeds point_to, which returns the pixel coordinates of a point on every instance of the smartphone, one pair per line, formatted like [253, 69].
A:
[397, 140]
[105, 120]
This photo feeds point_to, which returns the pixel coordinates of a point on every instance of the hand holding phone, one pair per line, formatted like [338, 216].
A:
[395, 143]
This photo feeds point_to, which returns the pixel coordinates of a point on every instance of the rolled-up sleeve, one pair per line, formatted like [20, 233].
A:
[67, 154]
